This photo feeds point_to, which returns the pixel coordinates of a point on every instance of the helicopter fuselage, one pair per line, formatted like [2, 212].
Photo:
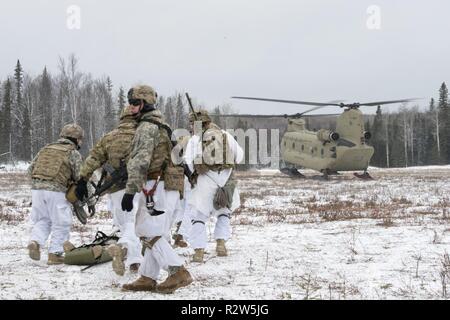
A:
[324, 150]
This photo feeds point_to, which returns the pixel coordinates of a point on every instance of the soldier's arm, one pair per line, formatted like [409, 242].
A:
[191, 151]
[235, 148]
[75, 161]
[96, 158]
[144, 142]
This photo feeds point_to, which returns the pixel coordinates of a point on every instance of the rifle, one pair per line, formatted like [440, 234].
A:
[192, 176]
[191, 107]
[118, 177]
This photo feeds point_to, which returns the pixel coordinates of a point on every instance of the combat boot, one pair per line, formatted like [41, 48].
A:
[118, 254]
[141, 284]
[68, 246]
[55, 258]
[181, 278]
[220, 248]
[179, 241]
[33, 251]
[134, 267]
[198, 255]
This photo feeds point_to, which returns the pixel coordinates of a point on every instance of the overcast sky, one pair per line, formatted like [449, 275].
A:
[317, 50]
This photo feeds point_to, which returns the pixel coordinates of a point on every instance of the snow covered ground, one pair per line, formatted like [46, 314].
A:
[292, 239]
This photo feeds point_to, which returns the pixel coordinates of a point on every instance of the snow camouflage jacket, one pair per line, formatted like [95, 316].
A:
[55, 166]
[151, 148]
[214, 139]
[112, 148]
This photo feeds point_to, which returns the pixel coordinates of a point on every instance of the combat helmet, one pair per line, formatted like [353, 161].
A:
[200, 115]
[72, 131]
[143, 92]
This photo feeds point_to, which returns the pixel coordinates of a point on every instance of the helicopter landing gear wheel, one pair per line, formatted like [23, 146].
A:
[292, 172]
[364, 176]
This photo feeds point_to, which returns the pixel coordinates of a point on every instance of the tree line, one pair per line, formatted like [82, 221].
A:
[33, 109]
[412, 136]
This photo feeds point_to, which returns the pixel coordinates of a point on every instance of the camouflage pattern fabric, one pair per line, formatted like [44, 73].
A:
[74, 164]
[143, 92]
[200, 115]
[214, 139]
[146, 139]
[112, 148]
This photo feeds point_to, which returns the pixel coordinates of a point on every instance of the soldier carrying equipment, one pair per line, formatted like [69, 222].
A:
[118, 178]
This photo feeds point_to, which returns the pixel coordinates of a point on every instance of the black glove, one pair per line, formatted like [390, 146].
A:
[81, 190]
[127, 202]
[91, 210]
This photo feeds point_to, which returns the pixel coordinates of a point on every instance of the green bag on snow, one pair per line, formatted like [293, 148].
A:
[93, 253]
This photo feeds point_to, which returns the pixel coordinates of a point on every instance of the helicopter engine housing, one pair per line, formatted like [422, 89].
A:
[327, 135]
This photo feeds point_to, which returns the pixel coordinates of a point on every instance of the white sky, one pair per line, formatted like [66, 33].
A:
[317, 50]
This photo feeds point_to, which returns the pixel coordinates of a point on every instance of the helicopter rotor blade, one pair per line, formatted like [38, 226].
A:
[290, 101]
[297, 115]
[379, 103]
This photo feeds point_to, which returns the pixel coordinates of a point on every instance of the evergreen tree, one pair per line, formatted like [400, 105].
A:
[169, 111]
[378, 140]
[444, 124]
[45, 105]
[181, 115]
[121, 102]
[6, 116]
[397, 152]
[22, 126]
[109, 107]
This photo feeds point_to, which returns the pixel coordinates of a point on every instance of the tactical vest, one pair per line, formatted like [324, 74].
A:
[118, 143]
[215, 140]
[53, 164]
[161, 153]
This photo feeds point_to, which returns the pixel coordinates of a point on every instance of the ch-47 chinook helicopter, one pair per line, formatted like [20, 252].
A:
[326, 151]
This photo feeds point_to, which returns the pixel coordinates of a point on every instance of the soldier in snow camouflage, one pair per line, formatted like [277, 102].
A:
[150, 155]
[212, 157]
[114, 148]
[54, 168]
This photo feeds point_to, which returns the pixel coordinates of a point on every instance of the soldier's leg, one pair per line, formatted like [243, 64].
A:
[163, 252]
[40, 218]
[126, 223]
[198, 237]
[61, 217]
[222, 231]
[186, 223]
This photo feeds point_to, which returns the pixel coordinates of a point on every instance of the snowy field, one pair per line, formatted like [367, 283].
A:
[292, 239]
